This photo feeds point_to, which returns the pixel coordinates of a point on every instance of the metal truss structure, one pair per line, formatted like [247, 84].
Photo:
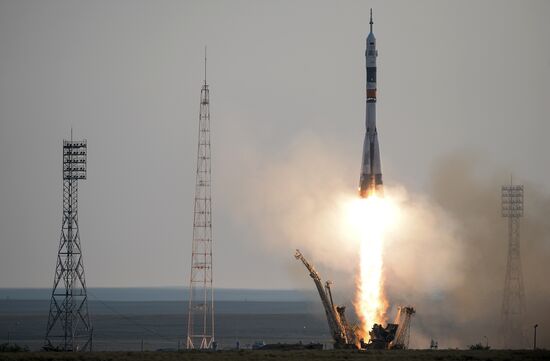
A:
[69, 327]
[513, 302]
[200, 326]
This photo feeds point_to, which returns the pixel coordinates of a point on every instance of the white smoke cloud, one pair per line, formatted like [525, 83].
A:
[421, 248]
[444, 253]
[303, 195]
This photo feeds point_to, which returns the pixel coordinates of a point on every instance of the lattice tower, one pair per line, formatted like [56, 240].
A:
[69, 327]
[200, 326]
[513, 302]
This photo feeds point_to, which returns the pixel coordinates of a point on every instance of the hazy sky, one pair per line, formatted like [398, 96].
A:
[287, 99]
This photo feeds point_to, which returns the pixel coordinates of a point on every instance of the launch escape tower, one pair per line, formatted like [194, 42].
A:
[513, 302]
[69, 327]
[200, 326]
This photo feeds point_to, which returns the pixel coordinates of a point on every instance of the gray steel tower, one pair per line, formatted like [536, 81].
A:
[513, 302]
[200, 326]
[69, 327]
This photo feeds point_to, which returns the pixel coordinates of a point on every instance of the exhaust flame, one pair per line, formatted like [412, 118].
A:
[370, 218]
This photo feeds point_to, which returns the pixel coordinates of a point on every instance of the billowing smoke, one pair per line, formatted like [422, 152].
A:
[469, 310]
[445, 253]
[296, 201]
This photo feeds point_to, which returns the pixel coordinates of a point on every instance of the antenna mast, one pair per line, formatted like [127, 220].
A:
[200, 326]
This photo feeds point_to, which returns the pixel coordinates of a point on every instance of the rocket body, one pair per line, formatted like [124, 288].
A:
[370, 181]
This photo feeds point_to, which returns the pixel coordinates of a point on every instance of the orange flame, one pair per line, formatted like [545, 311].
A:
[370, 217]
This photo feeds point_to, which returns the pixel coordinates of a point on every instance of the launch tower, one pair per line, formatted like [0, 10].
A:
[513, 302]
[200, 326]
[69, 327]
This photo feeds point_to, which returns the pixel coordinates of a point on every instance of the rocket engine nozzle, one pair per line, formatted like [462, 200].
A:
[369, 186]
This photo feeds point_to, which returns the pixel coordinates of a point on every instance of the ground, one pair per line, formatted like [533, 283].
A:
[440, 355]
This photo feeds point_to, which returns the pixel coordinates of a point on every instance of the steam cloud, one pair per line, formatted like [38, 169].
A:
[445, 255]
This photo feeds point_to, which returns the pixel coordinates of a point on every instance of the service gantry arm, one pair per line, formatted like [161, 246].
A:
[403, 320]
[336, 329]
[328, 291]
[340, 312]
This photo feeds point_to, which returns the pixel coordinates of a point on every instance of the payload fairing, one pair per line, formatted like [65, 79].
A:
[370, 182]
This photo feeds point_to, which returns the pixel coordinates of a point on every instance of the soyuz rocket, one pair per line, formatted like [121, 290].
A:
[370, 181]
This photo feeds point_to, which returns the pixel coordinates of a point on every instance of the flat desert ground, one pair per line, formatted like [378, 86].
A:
[243, 355]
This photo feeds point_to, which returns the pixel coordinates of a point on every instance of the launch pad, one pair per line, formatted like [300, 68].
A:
[346, 335]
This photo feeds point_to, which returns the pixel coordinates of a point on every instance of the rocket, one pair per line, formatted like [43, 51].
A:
[370, 181]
